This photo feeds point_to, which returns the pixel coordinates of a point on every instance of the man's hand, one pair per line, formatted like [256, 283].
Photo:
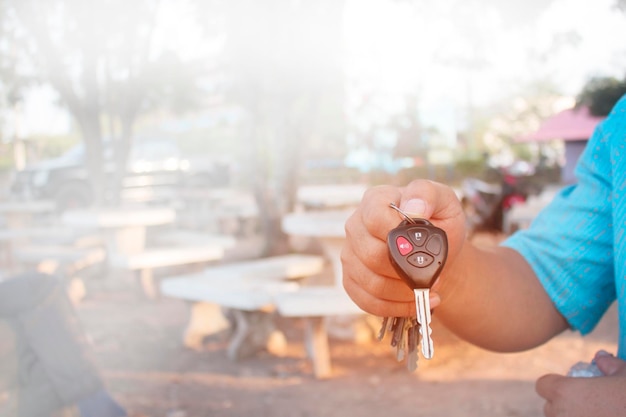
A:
[488, 296]
[603, 396]
[368, 276]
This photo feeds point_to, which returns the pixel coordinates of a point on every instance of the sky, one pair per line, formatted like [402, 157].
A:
[392, 49]
[395, 47]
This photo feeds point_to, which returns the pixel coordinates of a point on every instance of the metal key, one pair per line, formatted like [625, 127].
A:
[422, 305]
[412, 337]
[405, 342]
[402, 346]
[383, 329]
[397, 329]
[418, 252]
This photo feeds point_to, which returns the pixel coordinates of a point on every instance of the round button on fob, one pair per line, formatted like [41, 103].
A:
[420, 259]
[418, 252]
[418, 235]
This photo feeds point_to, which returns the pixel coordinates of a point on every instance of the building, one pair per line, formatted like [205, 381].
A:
[573, 126]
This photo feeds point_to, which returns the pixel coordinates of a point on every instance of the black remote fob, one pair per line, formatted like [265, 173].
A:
[418, 252]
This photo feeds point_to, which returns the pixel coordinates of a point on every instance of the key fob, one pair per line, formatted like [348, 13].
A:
[418, 252]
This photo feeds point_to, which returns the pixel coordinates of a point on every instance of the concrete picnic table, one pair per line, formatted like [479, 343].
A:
[325, 225]
[248, 289]
[317, 304]
[20, 213]
[124, 228]
[21, 224]
[125, 238]
[330, 196]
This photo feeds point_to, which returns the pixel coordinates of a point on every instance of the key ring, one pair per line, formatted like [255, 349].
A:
[402, 213]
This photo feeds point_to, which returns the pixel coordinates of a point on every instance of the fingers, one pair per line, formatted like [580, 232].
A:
[430, 200]
[420, 198]
[378, 294]
[375, 305]
[381, 295]
[374, 212]
[439, 204]
[385, 287]
[368, 276]
[549, 387]
[367, 241]
[399, 304]
[583, 397]
[546, 386]
[609, 364]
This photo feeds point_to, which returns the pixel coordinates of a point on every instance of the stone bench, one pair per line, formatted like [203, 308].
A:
[247, 289]
[146, 261]
[69, 262]
[178, 237]
[63, 260]
[314, 305]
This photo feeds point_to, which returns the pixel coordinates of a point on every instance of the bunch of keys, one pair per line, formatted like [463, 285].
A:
[418, 252]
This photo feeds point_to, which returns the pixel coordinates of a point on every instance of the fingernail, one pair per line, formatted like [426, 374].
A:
[601, 353]
[414, 207]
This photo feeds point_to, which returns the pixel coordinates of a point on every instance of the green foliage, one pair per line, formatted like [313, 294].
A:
[522, 151]
[600, 94]
[470, 167]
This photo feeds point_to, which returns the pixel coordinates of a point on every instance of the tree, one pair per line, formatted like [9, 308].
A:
[600, 94]
[101, 58]
[281, 65]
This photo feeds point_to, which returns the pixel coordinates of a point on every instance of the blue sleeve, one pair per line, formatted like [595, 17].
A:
[569, 245]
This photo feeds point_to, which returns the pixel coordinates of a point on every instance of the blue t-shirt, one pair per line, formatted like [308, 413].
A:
[577, 245]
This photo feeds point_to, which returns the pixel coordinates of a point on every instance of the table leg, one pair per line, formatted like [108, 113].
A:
[124, 241]
[316, 342]
[253, 332]
[205, 319]
[332, 249]
[146, 280]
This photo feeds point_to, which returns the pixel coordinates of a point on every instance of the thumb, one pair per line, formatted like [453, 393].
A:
[415, 207]
[609, 364]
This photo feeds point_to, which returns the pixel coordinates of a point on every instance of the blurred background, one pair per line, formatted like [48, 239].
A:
[276, 94]
[231, 115]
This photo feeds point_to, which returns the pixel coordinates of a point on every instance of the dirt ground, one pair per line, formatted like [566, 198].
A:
[138, 347]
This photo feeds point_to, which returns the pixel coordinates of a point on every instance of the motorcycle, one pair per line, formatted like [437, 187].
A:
[486, 203]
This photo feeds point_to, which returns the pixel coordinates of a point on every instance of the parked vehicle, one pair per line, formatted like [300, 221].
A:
[486, 203]
[154, 170]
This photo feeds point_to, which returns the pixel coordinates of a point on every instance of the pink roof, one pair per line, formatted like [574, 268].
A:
[571, 124]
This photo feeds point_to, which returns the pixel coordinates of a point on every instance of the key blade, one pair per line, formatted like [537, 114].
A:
[413, 337]
[397, 330]
[383, 329]
[422, 305]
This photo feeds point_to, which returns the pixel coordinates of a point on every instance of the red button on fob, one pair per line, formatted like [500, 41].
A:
[403, 245]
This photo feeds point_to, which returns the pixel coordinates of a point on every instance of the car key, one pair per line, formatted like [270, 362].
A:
[406, 347]
[383, 329]
[412, 338]
[418, 252]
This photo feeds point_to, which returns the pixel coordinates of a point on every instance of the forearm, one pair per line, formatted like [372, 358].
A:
[492, 298]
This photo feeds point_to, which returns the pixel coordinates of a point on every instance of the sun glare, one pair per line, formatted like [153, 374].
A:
[448, 54]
